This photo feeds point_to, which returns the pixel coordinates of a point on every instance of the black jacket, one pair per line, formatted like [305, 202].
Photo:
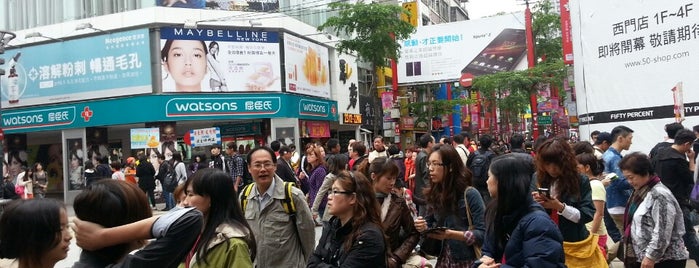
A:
[169, 249]
[284, 171]
[533, 240]
[673, 169]
[657, 148]
[146, 175]
[368, 250]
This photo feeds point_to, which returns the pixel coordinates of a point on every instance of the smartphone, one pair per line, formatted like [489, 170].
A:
[502, 54]
[436, 230]
[545, 192]
[417, 68]
[409, 69]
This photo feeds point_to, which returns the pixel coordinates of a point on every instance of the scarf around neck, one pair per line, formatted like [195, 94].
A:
[631, 206]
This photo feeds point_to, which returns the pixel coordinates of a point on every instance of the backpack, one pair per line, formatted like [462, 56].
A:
[479, 167]
[170, 180]
[287, 202]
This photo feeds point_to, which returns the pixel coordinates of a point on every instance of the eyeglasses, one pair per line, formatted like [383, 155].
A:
[337, 192]
[434, 164]
[265, 165]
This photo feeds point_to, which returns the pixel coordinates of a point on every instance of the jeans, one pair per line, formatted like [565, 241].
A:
[612, 230]
[169, 200]
[690, 235]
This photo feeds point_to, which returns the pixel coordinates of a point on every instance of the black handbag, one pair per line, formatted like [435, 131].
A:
[430, 246]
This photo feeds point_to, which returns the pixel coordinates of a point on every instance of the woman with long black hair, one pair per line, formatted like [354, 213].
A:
[519, 233]
[453, 204]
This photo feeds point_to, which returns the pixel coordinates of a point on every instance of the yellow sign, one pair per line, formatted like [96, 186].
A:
[412, 10]
[348, 118]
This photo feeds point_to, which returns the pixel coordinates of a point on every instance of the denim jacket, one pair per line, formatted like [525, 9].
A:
[619, 190]
[457, 220]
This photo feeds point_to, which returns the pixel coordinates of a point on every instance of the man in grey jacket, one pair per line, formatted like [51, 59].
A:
[283, 240]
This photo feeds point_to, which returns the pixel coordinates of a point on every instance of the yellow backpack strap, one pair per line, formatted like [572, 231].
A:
[244, 197]
[288, 203]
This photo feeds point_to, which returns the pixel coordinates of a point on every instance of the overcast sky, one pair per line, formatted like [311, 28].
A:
[482, 8]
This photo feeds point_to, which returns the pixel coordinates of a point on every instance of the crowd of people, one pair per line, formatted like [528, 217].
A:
[551, 203]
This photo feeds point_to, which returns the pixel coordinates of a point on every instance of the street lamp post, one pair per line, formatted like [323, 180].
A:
[5, 38]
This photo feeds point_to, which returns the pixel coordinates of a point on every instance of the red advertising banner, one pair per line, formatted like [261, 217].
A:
[566, 37]
[318, 129]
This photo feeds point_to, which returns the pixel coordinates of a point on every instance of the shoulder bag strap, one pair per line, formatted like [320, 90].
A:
[476, 247]
[468, 210]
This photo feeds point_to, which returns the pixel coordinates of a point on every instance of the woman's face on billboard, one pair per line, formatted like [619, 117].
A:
[186, 62]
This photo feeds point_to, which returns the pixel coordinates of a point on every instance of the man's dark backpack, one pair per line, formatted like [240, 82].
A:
[479, 167]
[170, 180]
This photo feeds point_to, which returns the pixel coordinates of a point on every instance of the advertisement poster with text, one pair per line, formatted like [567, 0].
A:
[217, 60]
[443, 52]
[72, 70]
[636, 57]
[346, 81]
[307, 70]
[142, 138]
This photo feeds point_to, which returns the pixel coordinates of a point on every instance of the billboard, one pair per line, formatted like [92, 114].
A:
[243, 5]
[218, 60]
[88, 68]
[346, 80]
[142, 138]
[307, 71]
[442, 52]
[634, 54]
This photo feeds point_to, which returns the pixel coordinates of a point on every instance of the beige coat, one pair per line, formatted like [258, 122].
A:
[280, 242]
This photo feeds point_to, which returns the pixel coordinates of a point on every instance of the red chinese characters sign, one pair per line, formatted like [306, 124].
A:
[318, 129]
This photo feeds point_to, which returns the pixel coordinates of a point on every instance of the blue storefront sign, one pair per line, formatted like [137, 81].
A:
[154, 108]
[88, 68]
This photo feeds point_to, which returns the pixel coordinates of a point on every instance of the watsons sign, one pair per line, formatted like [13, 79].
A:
[317, 108]
[254, 106]
[38, 118]
[180, 107]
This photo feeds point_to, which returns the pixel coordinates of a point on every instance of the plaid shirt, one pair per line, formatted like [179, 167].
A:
[235, 164]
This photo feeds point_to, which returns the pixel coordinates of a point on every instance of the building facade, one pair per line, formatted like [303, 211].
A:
[130, 77]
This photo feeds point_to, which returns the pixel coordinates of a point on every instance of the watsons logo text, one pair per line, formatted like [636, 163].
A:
[315, 108]
[23, 120]
[206, 106]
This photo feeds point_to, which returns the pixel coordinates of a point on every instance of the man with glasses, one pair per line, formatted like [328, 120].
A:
[270, 222]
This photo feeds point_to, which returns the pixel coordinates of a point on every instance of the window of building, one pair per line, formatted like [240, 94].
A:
[24, 14]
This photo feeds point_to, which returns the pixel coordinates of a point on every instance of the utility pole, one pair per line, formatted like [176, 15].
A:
[5, 38]
[531, 58]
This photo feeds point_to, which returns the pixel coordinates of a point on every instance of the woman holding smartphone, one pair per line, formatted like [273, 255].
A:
[568, 201]
[450, 200]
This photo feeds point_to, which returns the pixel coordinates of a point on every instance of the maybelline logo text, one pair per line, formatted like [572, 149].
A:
[239, 35]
